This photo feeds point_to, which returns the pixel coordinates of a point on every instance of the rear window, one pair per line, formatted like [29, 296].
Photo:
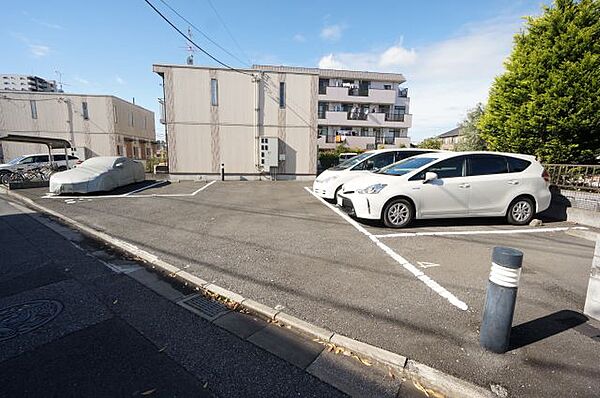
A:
[516, 165]
[480, 165]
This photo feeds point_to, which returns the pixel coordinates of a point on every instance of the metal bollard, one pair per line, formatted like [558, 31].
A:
[500, 299]
[222, 171]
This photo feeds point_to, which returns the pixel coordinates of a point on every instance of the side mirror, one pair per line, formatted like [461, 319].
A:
[429, 176]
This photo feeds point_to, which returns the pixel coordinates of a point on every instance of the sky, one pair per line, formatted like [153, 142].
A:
[449, 51]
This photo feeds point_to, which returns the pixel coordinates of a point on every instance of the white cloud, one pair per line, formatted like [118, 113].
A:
[299, 38]
[38, 50]
[444, 78]
[332, 32]
[119, 80]
[397, 56]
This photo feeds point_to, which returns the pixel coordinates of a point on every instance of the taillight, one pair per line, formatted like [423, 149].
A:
[546, 176]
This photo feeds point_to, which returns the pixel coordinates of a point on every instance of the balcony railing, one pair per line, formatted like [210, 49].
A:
[394, 117]
[358, 92]
[357, 115]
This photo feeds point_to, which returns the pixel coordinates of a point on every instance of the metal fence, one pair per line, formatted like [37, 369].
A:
[578, 185]
[575, 177]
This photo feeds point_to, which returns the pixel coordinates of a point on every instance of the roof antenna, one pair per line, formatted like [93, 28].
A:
[189, 48]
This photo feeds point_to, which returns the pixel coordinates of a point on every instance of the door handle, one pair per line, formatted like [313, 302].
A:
[514, 182]
[465, 185]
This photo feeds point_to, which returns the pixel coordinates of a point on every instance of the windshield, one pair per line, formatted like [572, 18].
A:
[346, 164]
[405, 166]
[16, 160]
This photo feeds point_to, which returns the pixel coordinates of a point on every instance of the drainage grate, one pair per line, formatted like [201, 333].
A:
[205, 307]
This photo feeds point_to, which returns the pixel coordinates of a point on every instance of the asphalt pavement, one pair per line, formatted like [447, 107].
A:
[77, 319]
[276, 243]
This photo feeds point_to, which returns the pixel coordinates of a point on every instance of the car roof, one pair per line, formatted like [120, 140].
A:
[43, 154]
[402, 150]
[449, 154]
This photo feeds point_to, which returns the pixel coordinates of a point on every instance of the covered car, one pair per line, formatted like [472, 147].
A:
[102, 173]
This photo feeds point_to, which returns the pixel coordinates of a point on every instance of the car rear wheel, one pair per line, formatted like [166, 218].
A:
[521, 211]
[398, 213]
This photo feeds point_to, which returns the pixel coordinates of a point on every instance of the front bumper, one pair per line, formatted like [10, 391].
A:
[324, 190]
[357, 205]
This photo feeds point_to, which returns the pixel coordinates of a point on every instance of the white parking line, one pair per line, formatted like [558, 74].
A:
[486, 232]
[129, 195]
[144, 188]
[420, 275]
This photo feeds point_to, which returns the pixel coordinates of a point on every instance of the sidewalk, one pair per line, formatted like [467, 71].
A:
[77, 322]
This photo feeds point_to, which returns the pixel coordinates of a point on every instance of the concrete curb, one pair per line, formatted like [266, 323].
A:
[430, 379]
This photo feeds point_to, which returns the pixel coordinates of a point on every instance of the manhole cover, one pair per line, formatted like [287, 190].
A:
[23, 318]
[205, 307]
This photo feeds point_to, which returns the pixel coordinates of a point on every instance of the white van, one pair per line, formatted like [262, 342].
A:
[330, 181]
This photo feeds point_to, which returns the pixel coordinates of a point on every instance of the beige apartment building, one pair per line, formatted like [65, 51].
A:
[271, 120]
[254, 122]
[95, 125]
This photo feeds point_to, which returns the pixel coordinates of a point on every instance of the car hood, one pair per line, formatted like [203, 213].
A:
[364, 181]
[326, 174]
[5, 166]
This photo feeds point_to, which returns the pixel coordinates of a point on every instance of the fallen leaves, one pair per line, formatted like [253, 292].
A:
[148, 392]
[330, 347]
[427, 391]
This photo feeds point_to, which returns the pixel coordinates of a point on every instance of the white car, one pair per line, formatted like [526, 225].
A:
[450, 184]
[329, 182]
[102, 173]
[26, 162]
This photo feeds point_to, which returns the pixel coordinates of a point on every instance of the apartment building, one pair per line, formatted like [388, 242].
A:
[27, 83]
[362, 109]
[216, 116]
[95, 125]
[256, 122]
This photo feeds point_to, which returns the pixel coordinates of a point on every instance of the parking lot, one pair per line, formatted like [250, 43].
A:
[418, 291]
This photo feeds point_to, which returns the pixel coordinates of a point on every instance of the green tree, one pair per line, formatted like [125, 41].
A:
[547, 102]
[431, 143]
[470, 135]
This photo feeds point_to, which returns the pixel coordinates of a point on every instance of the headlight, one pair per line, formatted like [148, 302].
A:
[372, 189]
[327, 179]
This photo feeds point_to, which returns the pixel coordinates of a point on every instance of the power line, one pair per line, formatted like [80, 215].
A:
[228, 31]
[204, 34]
[191, 41]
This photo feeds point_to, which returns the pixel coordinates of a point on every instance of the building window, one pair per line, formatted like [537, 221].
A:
[33, 105]
[148, 152]
[135, 152]
[116, 114]
[282, 95]
[119, 151]
[131, 119]
[84, 110]
[214, 92]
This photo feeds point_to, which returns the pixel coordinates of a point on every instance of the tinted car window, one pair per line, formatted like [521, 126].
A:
[58, 158]
[40, 159]
[448, 168]
[405, 166]
[517, 165]
[400, 155]
[480, 165]
[377, 161]
[28, 159]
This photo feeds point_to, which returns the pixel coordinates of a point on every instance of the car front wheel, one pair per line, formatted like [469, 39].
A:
[521, 211]
[398, 213]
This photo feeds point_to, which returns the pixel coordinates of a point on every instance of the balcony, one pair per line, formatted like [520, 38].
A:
[357, 95]
[394, 117]
[360, 119]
